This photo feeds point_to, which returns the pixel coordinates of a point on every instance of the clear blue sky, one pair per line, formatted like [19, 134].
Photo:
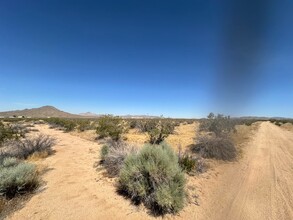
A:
[176, 58]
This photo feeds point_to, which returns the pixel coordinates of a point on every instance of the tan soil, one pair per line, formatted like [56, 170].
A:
[258, 186]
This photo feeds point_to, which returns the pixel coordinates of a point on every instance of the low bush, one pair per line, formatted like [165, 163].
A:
[221, 148]
[146, 125]
[7, 133]
[67, 124]
[84, 125]
[110, 126]
[219, 125]
[113, 156]
[104, 152]
[153, 176]
[17, 177]
[187, 163]
[24, 148]
[191, 164]
[160, 132]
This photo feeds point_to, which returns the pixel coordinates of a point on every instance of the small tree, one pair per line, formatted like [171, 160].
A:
[110, 126]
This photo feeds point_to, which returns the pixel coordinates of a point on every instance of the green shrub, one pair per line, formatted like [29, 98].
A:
[9, 161]
[192, 165]
[67, 124]
[109, 126]
[7, 133]
[147, 125]
[153, 176]
[221, 148]
[187, 163]
[17, 178]
[104, 152]
[160, 132]
[84, 125]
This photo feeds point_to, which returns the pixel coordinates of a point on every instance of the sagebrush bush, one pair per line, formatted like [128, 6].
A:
[24, 148]
[104, 152]
[17, 177]
[109, 126]
[153, 176]
[8, 162]
[114, 154]
[221, 148]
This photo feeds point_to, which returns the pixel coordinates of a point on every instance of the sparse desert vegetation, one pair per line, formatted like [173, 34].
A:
[159, 164]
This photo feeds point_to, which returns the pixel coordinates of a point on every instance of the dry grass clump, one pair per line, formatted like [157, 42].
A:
[113, 155]
[24, 148]
[17, 177]
[153, 176]
[220, 148]
[217, 143]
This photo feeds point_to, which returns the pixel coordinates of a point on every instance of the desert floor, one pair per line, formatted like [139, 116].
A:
[258, 186]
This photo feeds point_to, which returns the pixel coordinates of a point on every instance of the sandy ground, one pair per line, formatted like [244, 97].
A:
[183, 136]
[258, 186]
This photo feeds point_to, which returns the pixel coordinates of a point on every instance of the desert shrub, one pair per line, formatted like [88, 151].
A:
[187, 163]
[104, 152]
[191, 164]
[220, 124]
[7, 133]
[133, 124]
[84, 125]
[8, 162]
[67, 124]
[160, 132]
[146, 125]
[153, 176]
[109, 126]
[17, 177]
[24, 148]
[221, 148]
[113, 156]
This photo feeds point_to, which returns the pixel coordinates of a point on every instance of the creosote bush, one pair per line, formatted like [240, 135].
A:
[24, 148]
[160, 132]
[67, 124]
[110, 126]
[17, 177]
[153, 176]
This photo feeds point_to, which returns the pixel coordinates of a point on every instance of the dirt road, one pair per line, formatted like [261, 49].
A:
[73, 188]
[258, 186]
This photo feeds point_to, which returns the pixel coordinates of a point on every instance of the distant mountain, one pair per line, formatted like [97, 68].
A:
[89, 114]
[42, 112]
[139, 116]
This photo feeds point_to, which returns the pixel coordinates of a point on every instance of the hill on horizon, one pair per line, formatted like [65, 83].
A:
[42, 112]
